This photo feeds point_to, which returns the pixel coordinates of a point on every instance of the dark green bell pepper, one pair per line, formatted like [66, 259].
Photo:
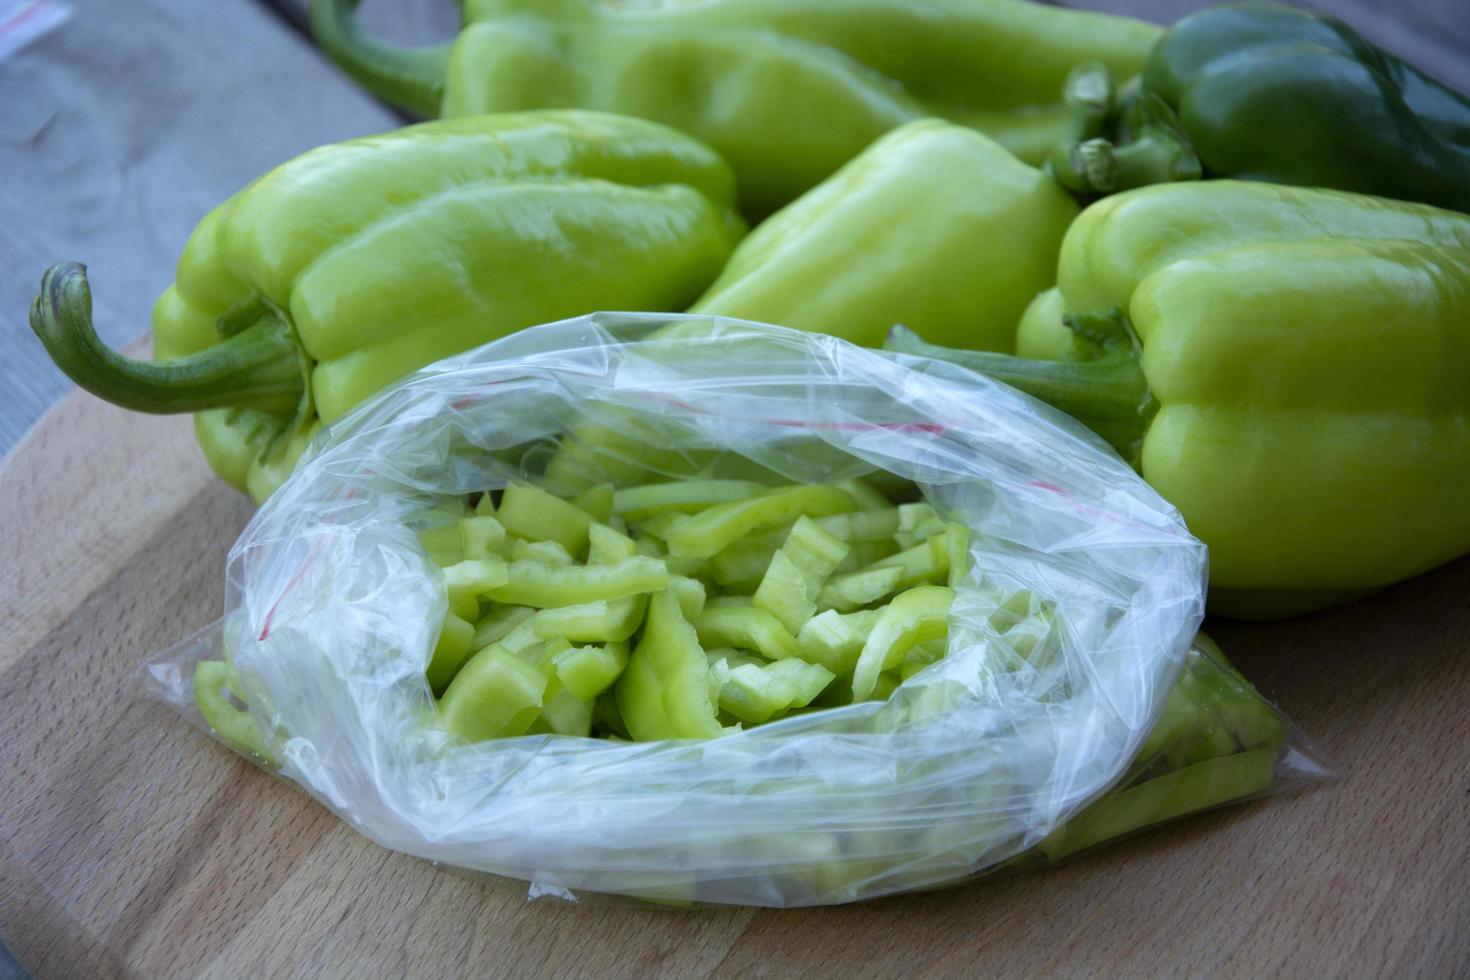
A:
[1269, 92]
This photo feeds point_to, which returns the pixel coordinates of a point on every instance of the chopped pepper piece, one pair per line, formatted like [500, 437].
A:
[534, 583]
[495, 695]
[664, 692]
[797, 572]
[757, 693]
[588, 671]
[748, 627]
[914, 617]
[537, 515]
[451, 650]
[717, 527]
[236, 726]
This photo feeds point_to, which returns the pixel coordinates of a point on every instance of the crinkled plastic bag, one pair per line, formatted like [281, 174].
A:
[333, 607]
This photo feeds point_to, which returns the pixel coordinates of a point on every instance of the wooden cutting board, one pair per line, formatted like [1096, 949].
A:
[132, 845]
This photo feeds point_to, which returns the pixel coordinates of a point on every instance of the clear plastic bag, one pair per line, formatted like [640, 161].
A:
[1068, 634]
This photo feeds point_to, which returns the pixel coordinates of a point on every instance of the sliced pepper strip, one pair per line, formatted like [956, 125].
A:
[927, 561]
[230, 723]
[835, 640]
[684, 496]
[588, 671]
[468, 580]
[853, 590]
[710, 530]
[604, 621]
[496, 694]
[756, 694]
[747, 627]
[913, 617]
[690, 593]
[862, 525]
[798, 570]
[537, 515]
[608, 546]
[866, 496]
[451, 650]
[957, 548]
[547, 552]
[482, 536]
[533, 583]
[917, 523]
[1183, 791]
[664, 693]
[498, 623]
[596, 502]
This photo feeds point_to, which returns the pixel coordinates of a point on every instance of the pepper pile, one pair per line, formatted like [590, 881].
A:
[1283, 356]
[706, 604]
[345, 269]
[693, 609]
[786, 90]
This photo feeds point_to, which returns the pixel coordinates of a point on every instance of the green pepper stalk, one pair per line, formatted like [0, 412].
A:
[345, 269]
[261, 366]
[1109, 393]
[411, 78]
[1155, 149]
[1290, 367]
[786, 90]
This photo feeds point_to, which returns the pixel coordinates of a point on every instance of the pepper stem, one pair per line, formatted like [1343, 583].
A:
[1089, 95]
[1109, 395]
[1156, 151]
[410, 78]
[261, 366]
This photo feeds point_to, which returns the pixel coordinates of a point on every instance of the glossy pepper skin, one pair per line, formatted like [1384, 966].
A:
[1268, 92]
[935, 226]
[1290, 367]
[356, 263]
[786, 90]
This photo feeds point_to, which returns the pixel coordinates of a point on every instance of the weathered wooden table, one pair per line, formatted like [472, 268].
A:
[131, 845]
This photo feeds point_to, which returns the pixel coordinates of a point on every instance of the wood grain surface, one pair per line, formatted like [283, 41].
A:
[132, 845]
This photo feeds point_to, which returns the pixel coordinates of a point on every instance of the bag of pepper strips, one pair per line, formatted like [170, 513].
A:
[1068, 699]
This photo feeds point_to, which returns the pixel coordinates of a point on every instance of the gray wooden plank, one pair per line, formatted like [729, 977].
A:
[118, 131]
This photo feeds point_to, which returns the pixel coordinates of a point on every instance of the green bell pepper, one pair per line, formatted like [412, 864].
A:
[934, 226]
[352, 265]
[1289, 367]
[786, 90]
[1274, 93]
